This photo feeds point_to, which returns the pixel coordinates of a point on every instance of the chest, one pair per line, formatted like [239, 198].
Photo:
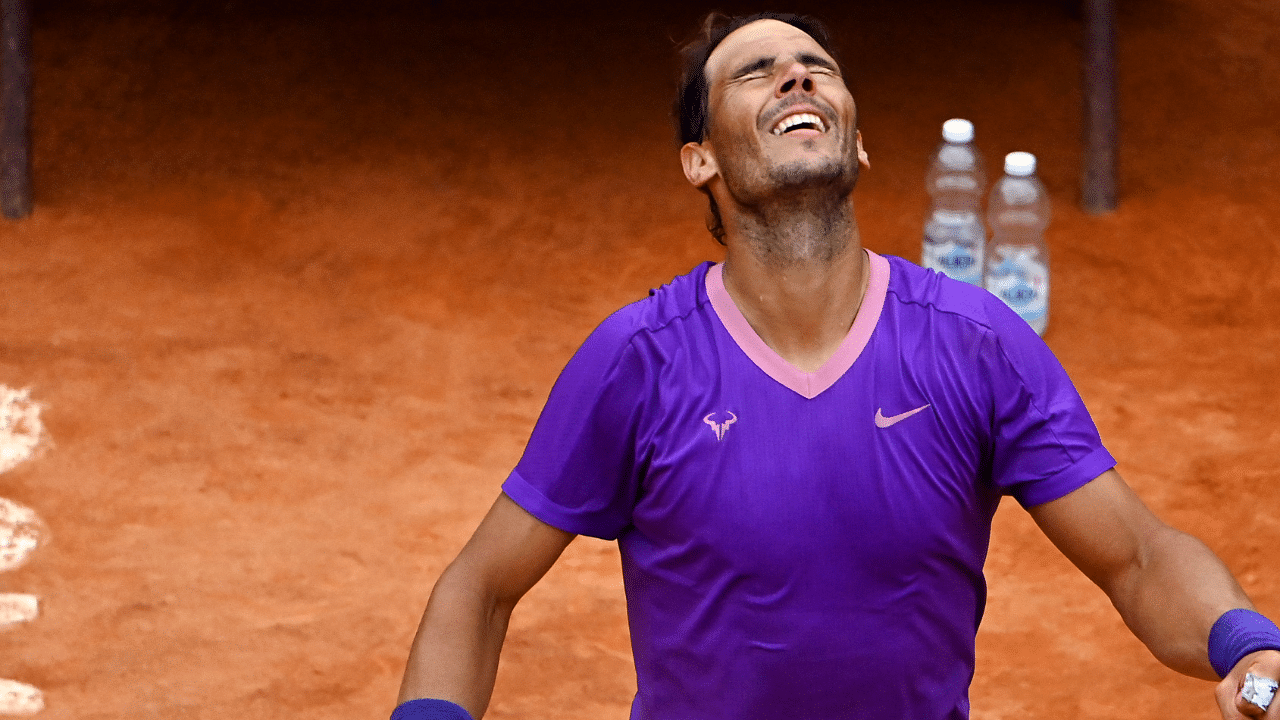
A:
[882, 474]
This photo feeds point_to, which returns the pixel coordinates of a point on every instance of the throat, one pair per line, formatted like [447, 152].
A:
[799, 222]
[797, 236]
[802, 313]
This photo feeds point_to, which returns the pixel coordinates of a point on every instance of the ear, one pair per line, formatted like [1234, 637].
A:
[862, 154]
[699, 161]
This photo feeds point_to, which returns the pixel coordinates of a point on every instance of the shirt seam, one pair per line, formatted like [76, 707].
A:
[986, 327]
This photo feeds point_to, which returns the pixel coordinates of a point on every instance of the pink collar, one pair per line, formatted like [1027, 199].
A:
[809, 385]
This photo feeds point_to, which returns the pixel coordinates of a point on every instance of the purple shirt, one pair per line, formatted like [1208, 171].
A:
[805, 545]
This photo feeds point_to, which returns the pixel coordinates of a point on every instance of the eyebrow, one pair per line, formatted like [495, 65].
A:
[817, 60]
[804, 58]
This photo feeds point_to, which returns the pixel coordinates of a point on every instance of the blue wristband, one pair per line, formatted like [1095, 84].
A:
[430, 709]
[1236, 634]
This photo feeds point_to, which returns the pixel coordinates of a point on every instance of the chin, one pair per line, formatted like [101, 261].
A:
[838, 174]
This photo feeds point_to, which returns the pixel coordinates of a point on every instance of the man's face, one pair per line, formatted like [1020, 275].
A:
[780, 115]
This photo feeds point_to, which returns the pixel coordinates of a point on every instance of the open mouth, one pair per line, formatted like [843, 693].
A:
[799, 121]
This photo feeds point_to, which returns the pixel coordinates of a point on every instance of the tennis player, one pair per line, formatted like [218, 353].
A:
[800, 450]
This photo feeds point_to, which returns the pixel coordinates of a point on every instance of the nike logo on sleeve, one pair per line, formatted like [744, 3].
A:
[884, 422]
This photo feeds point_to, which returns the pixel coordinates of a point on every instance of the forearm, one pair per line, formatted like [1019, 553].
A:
[1171, 597]
[455, 652]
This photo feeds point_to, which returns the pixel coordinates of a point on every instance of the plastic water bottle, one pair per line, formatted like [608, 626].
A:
[1017, 265]
[954, 236]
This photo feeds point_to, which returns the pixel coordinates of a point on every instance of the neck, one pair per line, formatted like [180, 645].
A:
[810, 225]
[797, 276]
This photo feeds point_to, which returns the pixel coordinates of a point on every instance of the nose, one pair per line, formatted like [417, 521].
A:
[796, 76]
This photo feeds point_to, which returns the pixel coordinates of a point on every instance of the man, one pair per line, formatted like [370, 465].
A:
[800, 451]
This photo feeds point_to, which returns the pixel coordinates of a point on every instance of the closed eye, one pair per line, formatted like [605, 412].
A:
[817, 63]
[757, 68]
[764, 67]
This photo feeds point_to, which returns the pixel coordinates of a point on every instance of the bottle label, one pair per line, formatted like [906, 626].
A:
[956, 261]
[1022, 282]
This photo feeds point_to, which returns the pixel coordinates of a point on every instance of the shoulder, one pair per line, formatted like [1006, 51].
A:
[655, 321]
[619, 368]
[665, 306]
[919, 291]
[948, 316]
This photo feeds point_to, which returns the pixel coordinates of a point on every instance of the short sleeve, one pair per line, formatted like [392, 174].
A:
[580, 471]
[1044, 443]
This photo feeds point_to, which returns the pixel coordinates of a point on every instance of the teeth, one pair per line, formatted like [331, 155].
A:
[799, 119]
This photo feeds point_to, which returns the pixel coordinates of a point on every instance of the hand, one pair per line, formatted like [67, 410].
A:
[1264, 663]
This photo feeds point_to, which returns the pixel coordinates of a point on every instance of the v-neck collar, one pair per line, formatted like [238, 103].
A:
[808, 385]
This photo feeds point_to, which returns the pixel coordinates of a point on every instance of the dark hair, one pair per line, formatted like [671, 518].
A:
[690, 108]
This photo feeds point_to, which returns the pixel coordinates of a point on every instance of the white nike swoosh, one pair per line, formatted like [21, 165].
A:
[884, 422]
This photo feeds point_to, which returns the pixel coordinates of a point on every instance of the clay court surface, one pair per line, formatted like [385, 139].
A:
[299, 279]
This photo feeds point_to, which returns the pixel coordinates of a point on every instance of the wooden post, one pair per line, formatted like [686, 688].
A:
[1101, 151]
[15, 108]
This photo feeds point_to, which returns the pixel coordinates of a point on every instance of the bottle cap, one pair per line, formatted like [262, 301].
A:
[1020, 164]
[957, 130]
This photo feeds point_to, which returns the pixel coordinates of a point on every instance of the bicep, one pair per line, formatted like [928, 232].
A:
[1103, 528]
[510, 550]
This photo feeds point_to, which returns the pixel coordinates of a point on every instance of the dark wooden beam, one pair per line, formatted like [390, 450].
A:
[1101, 118]
[15, 108]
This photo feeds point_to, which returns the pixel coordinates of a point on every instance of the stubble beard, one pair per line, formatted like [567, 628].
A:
[798, 212]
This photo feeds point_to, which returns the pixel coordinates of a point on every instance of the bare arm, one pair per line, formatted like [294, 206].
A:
[455, 653]
[1168, 586]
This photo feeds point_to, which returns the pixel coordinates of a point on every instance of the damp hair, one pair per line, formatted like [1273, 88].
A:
[690, 110]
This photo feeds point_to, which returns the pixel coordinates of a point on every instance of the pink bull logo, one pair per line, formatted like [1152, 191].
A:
[720, 427]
